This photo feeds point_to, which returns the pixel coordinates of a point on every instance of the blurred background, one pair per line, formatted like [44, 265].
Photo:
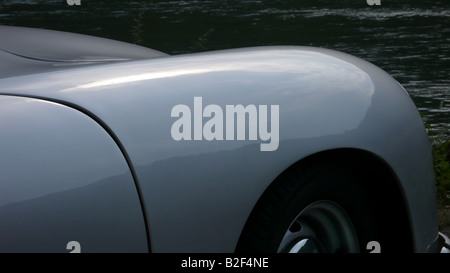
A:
[408, 39]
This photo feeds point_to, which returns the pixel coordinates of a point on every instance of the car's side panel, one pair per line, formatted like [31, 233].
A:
[199, 193]
[62, 179]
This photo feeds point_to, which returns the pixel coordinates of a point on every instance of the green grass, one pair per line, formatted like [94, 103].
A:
[201, 43]
[441, 161]
[138, 26]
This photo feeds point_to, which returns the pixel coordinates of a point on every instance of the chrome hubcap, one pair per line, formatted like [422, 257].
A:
[321, 227]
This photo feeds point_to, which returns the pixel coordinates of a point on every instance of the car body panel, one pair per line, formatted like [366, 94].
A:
[31, 50]
[198, 194]
[63, 179]
[59, 46]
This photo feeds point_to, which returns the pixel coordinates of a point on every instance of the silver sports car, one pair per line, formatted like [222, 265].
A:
[111, 147]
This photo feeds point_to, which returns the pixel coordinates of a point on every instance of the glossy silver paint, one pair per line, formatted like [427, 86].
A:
[30, 50]
[198, 194]
[63, 179]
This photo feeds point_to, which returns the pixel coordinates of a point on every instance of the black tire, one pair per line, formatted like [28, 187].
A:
[291, 196]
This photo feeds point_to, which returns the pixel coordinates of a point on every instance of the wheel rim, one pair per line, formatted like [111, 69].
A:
[321, 227]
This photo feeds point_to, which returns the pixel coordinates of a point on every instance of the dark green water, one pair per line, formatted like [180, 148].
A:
[408, 39]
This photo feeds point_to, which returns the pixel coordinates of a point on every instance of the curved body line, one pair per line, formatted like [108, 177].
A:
[161, 113]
